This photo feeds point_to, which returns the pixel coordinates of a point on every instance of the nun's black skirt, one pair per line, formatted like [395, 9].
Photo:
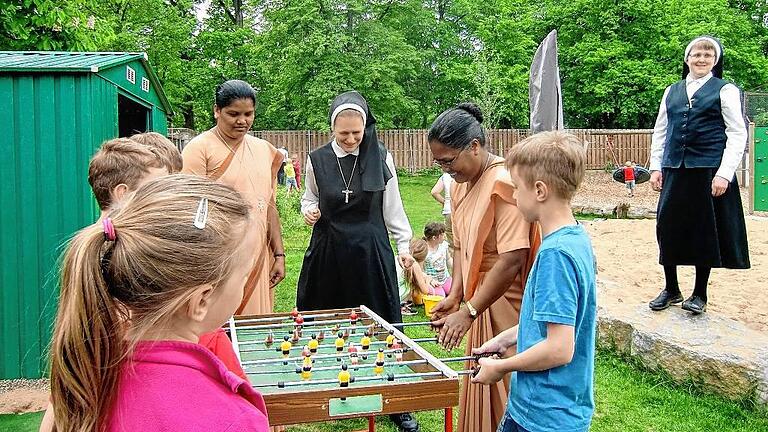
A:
[695, 228]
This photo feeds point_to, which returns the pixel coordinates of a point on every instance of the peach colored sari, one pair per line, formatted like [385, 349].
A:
[486, 223]
[252, 172]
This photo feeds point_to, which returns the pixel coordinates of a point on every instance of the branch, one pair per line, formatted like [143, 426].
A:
[386, 10]
[229, 14]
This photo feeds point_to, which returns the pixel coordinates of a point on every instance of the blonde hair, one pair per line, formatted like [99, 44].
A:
[163, 147]
[113, 292]
[556, 158]
[119, 161]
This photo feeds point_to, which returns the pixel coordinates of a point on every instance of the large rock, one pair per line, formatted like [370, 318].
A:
[719, 354]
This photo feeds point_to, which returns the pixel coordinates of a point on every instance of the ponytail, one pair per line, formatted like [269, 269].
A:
[88, 342]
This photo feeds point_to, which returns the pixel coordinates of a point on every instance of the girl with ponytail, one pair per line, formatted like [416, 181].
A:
[137, 290]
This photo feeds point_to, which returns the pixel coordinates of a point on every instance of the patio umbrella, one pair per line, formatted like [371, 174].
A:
[544, 94]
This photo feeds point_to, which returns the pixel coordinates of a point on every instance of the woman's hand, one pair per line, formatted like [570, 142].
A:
[406, 260]
[719, 186]
[442, 309]
[453, 328]
[656, 180]
[311, 217]
[277, 273]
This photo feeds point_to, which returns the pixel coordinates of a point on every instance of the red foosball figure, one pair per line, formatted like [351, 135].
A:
[270, 339]
[353, 358]
[398, 350]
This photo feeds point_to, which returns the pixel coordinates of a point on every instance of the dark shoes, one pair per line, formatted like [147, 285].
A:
[405, 422]
[664, 299]
[695, 305]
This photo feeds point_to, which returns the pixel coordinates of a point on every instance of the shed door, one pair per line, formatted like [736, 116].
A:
[132, 117]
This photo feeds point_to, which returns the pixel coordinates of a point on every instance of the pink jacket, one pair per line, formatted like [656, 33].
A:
[181, 386]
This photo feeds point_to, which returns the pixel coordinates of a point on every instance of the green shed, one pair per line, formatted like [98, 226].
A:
[56, 108]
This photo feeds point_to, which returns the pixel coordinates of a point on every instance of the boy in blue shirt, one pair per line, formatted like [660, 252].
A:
[553, 370]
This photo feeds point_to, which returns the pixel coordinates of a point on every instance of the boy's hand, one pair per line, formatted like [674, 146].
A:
[445, 307]
[491, 371]
[311, 217]
[491, 346]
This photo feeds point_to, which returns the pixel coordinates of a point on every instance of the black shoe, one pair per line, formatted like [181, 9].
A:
[695, 305]
[405, 422]
[664, 299]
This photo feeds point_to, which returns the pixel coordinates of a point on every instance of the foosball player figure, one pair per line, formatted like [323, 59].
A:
[346, 333]
[365, 342]
[321, 336]
[390, 340]
[398, 350]
[353, 354]
[295, 337]
[299, 320]
[306, 368]
[285, 347]
[344, 378]
[353, 318]
[313, 344]
[379, 367]
[339, 344]
[306, 352]
[294, 313]
[270, 339]
[371, 329]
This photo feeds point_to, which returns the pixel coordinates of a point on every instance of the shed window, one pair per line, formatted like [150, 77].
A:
[130, 75]
[145, 84]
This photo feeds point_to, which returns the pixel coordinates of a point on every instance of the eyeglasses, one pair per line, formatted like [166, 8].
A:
[700, 55]
[448, 163]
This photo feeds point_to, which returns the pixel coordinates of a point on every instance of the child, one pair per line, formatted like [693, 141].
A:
[163, 147]
[417, 279]
[629, 177]
[297, 168]
[290, 176]
[438, 260]
[137, 291]
[553, 370]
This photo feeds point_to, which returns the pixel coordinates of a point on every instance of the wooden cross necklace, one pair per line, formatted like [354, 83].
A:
[346, 191]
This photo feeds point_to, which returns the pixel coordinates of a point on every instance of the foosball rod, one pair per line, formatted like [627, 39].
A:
[248, 363]
[293, 325]
[331, 334]
[300, 347]
[364, 365]
[388, 377]
[290, 317]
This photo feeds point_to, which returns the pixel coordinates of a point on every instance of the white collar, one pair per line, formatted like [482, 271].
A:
[689, 79]
[340, 152]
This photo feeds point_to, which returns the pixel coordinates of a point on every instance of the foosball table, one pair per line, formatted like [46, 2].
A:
[315, 366]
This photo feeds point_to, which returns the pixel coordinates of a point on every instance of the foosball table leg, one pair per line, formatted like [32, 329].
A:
[449, 420]
[371, 424]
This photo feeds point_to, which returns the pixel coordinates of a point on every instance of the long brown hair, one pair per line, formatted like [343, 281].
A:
[113, 292]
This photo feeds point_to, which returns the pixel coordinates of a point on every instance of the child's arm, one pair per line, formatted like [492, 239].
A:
[499, 343]
[437, 191]
[554, 351]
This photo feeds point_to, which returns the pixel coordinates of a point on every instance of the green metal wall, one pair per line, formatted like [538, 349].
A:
[51, 126]
[760, 179]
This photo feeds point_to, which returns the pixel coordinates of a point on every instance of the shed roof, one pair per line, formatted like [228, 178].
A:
[76, 62]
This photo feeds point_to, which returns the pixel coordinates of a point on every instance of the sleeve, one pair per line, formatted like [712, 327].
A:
[512, 231]
[735, 131]
[310, 199]
[556, 294]
[659, 136]
[194, 159]
[394, 213]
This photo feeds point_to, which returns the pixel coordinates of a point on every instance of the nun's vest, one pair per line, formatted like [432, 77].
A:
[696, 131]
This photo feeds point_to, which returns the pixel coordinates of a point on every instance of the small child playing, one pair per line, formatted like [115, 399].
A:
[296, 168]
[290, 176]
[553, 371]
[438, 260]
[137, 290]
[419, 282]
[629, 177]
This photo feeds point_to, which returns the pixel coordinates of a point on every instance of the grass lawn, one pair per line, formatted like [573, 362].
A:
[627, 398]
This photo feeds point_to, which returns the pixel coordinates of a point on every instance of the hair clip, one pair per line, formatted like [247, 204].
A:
[201, 217]
[109, 229]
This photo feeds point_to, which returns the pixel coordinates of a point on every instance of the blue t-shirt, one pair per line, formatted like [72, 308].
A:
[560, 290]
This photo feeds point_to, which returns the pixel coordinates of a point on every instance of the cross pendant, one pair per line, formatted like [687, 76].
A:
[346, 193]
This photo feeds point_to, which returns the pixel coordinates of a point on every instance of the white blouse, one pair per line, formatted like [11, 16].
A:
[394, 213]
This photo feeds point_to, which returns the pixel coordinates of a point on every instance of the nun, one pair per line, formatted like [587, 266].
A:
[697, 145]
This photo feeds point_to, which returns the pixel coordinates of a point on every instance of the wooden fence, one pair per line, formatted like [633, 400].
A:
[409, 147]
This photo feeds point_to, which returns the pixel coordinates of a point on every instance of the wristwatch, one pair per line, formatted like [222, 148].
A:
[471, 309]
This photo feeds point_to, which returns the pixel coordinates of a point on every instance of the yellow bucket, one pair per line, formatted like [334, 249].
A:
[429, 302]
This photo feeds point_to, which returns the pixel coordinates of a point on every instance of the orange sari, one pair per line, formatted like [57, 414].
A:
[252, 171]
[487, 223]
